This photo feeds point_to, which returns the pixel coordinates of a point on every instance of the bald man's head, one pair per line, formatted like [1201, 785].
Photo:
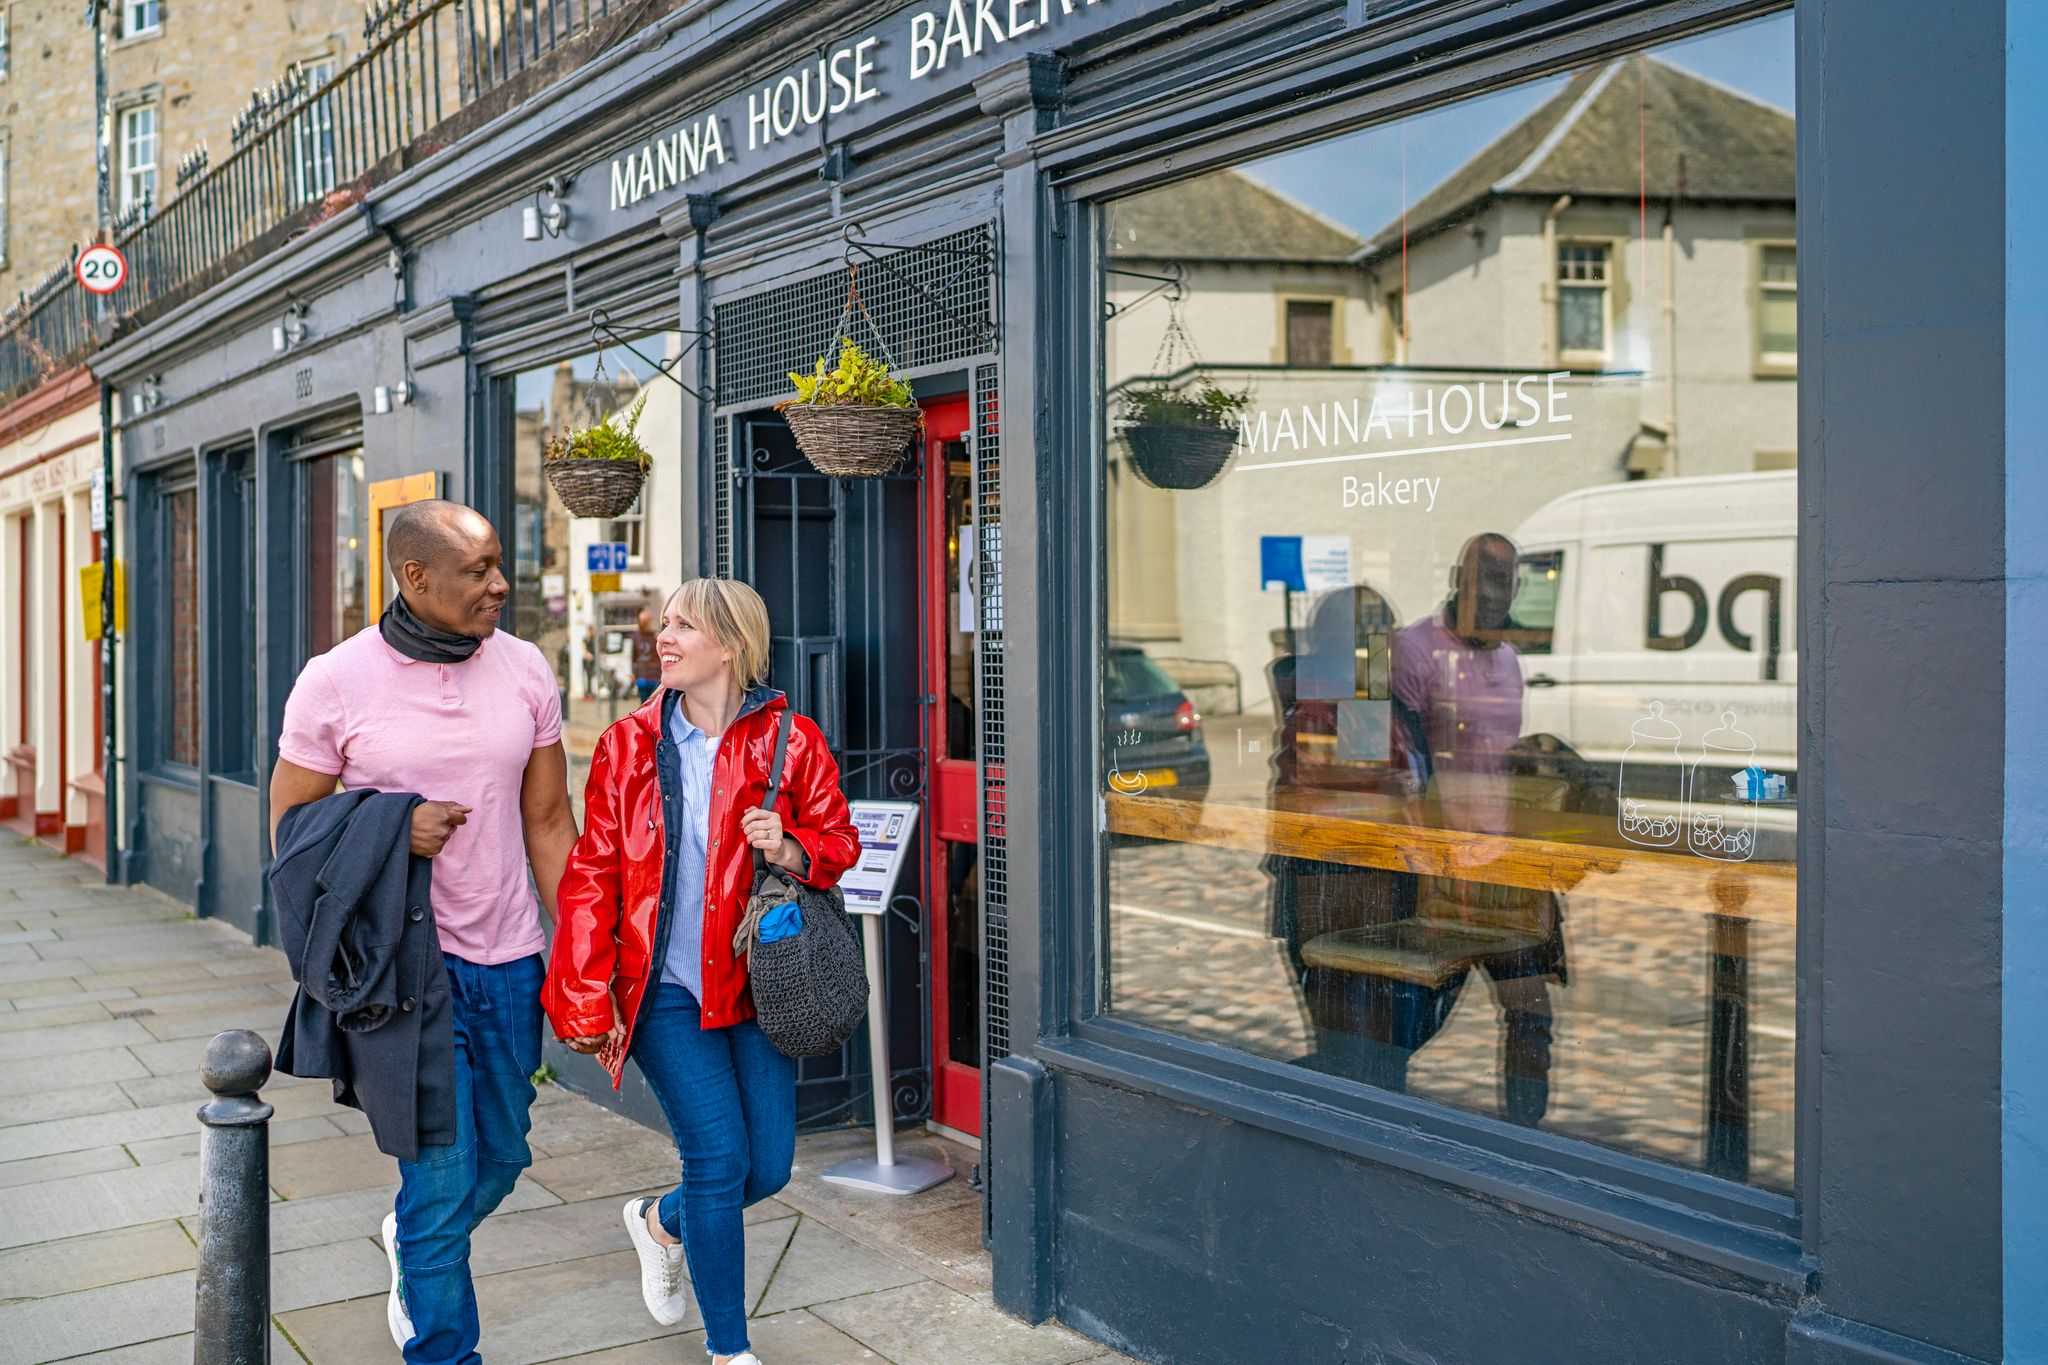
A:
[446, 558]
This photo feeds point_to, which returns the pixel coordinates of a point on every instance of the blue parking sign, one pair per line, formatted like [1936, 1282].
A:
[606, 556]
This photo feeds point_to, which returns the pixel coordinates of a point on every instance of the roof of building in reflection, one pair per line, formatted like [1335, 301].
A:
[1226, 216]
[1631, 127]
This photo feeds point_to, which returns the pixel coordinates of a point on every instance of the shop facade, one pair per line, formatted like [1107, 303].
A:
[1384, 869]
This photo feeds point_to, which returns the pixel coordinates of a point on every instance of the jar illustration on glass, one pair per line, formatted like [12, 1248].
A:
[1720, 813]
[1649, 765]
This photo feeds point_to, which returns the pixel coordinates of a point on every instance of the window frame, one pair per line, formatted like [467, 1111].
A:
[6, 40]
[1579, 357]
[311, 121]
[126, 167]
[1771, 364]
[1287, 301]
[6, 178]
[1059, 627]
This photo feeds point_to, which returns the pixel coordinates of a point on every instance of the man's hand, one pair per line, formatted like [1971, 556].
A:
[433, 822]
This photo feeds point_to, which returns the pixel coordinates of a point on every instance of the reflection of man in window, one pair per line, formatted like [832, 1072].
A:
[1457, 683]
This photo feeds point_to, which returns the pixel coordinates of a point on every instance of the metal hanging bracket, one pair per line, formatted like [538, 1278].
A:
[1174, 286]
[602, 334]
[857, 243]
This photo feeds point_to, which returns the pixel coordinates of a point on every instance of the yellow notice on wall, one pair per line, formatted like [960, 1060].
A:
[604, 582]
[89, 598]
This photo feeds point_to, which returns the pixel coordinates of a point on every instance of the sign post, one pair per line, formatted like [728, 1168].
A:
[885, 829]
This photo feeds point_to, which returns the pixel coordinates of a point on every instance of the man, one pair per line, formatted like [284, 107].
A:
[1457, 736]
[436, 701]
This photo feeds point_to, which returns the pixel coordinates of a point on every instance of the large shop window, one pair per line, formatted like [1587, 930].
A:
[179, 682]
[1449, 705]
[337, 548]
[589, 591]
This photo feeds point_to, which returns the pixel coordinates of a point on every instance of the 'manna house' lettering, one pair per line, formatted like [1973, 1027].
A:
[668, 161]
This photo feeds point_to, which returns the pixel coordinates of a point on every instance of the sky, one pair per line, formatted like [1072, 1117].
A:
[1356, 180]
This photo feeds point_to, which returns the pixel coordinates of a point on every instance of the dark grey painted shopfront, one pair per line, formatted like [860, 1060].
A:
[1174, 1197]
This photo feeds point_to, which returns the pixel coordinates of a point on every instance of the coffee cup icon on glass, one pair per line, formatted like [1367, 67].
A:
[1652, 753]
[1721, 802]
[1130, 784]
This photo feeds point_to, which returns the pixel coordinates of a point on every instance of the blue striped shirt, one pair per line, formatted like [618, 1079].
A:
[695, 751]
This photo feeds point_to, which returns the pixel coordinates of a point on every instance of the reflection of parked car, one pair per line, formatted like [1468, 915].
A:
[1152, 735]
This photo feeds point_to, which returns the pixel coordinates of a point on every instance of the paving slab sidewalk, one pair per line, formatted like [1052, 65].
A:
[107, 1000]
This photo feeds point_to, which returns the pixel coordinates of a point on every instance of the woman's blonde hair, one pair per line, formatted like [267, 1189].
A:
[736, 617]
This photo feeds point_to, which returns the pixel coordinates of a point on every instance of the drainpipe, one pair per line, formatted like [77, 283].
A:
[1564, 201]
[110, 778]
[1670, 343]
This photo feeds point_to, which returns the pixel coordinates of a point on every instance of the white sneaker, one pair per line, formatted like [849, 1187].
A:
[661, 1269]
[745, 1358]
[395, 1315]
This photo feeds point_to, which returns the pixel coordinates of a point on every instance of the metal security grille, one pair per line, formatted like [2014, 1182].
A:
[763, 337]
[721, 497]
[995, 858]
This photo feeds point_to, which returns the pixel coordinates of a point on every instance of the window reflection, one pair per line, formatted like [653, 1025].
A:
[596, 628]
[1473, 664]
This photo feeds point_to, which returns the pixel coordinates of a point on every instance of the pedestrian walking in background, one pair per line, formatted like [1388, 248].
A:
[643, 961]
[646, 654]
[436, 704]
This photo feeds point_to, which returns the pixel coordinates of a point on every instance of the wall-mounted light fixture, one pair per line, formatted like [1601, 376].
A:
[291, 330]
[387, 396]
[152, 395]
[547, 215]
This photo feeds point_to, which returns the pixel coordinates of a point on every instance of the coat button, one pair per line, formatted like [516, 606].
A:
[407, 1004]
[416, 914]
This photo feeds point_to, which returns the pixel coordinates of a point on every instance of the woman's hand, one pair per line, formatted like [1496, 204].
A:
[763, 830]
[595, 1042]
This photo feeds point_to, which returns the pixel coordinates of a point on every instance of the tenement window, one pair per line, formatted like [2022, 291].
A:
[138, 156]
[1502, 813]
[139, 17]
[1309, 326]
[313, 134]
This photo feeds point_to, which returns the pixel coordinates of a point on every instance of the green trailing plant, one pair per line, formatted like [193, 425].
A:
[1207, 406]
[605, 440]
[859, 379]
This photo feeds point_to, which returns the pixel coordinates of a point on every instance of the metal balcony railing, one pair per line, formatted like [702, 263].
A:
[304, 149]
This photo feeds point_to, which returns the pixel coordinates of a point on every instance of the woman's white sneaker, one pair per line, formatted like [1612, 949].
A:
[661, 1269]
[395, 1315]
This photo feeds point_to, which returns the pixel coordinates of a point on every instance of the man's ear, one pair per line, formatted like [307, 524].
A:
[412, 576]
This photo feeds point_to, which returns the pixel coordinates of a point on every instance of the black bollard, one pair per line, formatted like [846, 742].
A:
[231, 1319]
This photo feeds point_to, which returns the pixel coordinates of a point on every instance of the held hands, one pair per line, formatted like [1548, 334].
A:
[763, 830]
[433, 822]
[596, 1042]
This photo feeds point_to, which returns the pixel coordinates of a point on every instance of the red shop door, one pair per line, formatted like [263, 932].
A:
[954, 915]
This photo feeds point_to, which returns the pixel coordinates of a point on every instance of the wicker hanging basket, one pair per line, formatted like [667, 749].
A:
[595, 488]
[853, 440]
[1181, 457]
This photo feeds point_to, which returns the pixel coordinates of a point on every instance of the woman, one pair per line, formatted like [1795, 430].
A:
[643, 964]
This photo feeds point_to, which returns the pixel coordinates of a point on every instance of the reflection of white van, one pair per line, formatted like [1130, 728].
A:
[1679, 591]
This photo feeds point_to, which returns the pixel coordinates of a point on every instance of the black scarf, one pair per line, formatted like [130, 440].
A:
[415, 639]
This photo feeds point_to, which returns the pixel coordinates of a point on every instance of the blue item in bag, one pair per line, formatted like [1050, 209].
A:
[784, 921]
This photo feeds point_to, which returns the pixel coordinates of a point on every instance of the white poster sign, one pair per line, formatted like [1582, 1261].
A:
[885, 829]
[1326, 562]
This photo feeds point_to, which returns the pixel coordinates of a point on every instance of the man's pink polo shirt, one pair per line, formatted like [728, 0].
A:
[451, 732]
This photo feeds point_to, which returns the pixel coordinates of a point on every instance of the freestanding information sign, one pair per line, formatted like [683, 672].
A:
[885, 829]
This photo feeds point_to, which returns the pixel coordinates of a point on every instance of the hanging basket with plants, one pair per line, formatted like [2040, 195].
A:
[597, 471]
[1180, 437]
[856, 420]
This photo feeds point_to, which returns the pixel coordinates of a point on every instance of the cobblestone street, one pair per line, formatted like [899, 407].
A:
[1191, 952]
[108, 998]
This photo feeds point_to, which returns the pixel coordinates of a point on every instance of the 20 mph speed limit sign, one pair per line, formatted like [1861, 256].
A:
[102, 269]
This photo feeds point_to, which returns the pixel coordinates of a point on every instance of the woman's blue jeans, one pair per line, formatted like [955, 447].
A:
[730, 1100]
[450, 1189]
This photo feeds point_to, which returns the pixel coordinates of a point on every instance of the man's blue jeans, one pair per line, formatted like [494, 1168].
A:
[730, 1100]
[449, 1190]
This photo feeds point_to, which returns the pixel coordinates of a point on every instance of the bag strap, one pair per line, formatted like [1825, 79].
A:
[782, 723]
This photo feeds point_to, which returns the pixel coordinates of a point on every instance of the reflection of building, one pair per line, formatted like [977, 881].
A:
[1527, 260]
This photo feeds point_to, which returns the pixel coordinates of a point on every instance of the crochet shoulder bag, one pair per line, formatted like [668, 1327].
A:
[811, 987]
